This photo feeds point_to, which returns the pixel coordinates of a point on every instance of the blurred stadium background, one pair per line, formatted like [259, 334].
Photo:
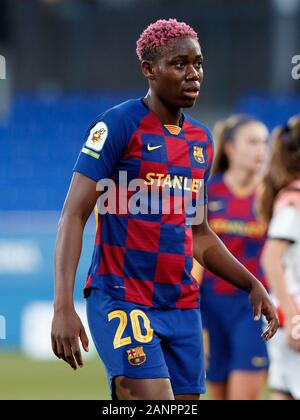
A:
[66, 62]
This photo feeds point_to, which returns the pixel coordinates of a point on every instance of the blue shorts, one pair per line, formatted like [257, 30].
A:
[138, 341]
[234, 338]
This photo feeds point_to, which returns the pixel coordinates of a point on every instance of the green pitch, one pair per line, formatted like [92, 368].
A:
[23, 378]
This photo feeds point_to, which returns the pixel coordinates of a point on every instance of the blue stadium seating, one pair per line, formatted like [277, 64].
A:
[39, 146]
[42, 138]
[272, 110]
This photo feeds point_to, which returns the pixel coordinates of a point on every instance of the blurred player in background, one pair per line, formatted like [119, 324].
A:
[237, 356]
[280, 206]
[142, 302]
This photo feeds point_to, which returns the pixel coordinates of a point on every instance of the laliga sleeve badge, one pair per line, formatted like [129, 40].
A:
[136, 356]
[97, 136]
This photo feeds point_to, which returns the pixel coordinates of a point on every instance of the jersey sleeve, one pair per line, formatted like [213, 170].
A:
[285, 224]
[104, 146]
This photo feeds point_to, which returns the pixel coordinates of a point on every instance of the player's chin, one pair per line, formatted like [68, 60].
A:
[186, 102]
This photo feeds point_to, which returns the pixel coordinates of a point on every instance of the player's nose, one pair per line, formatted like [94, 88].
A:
[192, 73]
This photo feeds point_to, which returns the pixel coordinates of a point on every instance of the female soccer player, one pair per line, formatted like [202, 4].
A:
[142, 302]
[237, 359]
[280, 206]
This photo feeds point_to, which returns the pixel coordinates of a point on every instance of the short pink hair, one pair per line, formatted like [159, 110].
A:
[160, 33]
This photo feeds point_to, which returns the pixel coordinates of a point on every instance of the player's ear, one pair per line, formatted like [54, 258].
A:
[148, 69]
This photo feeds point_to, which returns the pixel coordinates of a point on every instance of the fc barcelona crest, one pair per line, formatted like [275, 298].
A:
[198, 154]
[136, 356]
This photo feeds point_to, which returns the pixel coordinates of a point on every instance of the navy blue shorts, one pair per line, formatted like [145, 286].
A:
[138, 341]
[234, 338]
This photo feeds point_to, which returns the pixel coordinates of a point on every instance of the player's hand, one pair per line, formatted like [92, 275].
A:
[66, 330]
[262, 304]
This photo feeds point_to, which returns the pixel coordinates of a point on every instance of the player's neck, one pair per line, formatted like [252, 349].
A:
[241, 182]
[165, 114]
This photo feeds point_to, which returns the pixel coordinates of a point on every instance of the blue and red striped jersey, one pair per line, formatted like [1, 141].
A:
[146, 257]
[234, 220]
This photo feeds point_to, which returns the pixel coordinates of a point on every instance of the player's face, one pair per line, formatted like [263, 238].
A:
[179, 73]
[249, 149]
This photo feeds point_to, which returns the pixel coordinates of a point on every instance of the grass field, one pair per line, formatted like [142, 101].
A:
[22, 378]
[25, 379]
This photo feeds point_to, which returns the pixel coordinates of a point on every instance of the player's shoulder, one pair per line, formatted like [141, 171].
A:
[198, 125]
[119, 122]
[122, 113]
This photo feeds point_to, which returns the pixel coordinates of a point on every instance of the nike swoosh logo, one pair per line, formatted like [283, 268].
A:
[216, 205]
[153, 147]
[259, 361]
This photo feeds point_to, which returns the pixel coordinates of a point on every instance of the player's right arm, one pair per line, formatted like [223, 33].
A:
[67, 327]
[105, 143]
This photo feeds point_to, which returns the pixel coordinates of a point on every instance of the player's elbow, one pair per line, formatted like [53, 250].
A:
[74, 212]
[72, 219]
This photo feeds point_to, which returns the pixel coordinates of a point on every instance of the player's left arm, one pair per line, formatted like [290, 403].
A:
[212, 254]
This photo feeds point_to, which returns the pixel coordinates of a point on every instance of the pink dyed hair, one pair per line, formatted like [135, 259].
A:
[160, 33]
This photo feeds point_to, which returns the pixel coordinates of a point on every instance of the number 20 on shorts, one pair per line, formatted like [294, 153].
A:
[120, 341]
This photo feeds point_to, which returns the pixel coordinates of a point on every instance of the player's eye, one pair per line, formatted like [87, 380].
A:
[179, 65]
[199, 64]
[254, 141]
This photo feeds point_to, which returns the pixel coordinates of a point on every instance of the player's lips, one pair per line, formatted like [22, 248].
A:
[192, 92]
[259, 159]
